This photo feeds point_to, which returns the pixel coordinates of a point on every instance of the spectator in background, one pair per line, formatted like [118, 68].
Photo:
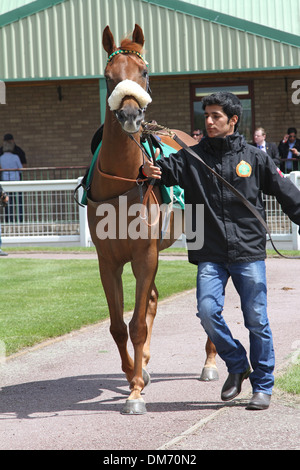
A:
[14, 149]
[10, 163]
[197, 134]
[289, 148]
[269, 147]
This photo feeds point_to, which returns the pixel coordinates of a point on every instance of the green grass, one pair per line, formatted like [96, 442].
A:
[290, 380]
[42, 299]
[78, 249]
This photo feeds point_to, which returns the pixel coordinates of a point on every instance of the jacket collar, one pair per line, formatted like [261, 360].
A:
[233, 142]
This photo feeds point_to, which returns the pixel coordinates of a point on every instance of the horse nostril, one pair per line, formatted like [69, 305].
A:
[121, 115]
[130, 114]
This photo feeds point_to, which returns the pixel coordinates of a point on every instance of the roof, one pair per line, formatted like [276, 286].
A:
[50, 39]
[9, 5]
[282, 15]
[14, 10]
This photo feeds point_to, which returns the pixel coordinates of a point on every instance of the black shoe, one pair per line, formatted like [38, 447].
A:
[233, 385]
[259, 401]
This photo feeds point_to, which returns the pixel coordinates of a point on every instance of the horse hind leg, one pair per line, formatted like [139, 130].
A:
[210, 371]
[150, 316]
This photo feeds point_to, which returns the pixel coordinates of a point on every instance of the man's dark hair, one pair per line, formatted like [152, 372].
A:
[229, 102]
[292, 130]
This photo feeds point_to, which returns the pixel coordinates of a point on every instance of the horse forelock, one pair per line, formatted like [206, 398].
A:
[131, 46]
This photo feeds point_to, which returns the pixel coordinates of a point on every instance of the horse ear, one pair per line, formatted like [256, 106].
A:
[108, 41]
[138, 35]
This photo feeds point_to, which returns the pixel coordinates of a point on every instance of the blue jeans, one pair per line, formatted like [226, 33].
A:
[249, 280]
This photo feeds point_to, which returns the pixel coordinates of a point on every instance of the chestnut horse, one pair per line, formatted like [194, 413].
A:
[115, 174]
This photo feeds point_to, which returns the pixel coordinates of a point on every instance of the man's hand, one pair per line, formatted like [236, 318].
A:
[150, 170]
[295, 152]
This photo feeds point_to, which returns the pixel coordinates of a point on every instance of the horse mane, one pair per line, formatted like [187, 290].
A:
[129, 45]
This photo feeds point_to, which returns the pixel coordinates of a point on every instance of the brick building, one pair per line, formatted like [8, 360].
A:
[52, 65]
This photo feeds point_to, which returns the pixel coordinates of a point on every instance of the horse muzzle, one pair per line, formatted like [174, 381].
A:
[130, 117]
[130, 113]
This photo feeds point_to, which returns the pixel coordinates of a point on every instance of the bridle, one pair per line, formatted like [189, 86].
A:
[127, 52]
[138, 181]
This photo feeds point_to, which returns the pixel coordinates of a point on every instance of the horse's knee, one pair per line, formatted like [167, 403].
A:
[119, 333]
[138, 331]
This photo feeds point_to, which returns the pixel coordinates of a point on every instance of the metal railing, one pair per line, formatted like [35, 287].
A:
[284, 232]
[45, 213]
[48, 173]
[289, 164]
[42, 212]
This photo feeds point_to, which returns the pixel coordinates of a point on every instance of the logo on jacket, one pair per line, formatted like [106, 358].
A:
[243, 169]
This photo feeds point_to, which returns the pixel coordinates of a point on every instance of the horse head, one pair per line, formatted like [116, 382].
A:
[127, 79]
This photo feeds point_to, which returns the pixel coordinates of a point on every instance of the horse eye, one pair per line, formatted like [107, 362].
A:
[145, 73]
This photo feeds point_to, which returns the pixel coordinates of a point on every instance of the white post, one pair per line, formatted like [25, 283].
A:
[83, 223]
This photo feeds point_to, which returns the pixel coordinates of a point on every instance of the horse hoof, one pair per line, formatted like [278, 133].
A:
[146, 378]
[134, 407]
[209, 374]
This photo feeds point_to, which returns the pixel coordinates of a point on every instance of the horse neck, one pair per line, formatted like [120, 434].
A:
[119, 156]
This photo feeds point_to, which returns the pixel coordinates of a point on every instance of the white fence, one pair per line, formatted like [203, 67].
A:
[45, 213]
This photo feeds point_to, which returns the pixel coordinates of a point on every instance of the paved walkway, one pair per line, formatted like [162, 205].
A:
[68, 393]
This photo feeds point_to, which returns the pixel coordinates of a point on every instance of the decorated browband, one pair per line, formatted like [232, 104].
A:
[125, 51]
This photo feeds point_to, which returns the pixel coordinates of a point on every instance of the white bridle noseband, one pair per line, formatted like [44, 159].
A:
[128, 88]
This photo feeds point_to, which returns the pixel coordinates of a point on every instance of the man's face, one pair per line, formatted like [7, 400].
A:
[197, 135]
[259, 137]
[292, 137]
[217, 122]
[11, 142]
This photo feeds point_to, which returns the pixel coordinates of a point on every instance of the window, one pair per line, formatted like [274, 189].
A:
[242, 90]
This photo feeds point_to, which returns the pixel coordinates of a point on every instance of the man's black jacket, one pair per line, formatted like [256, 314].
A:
[231, 232]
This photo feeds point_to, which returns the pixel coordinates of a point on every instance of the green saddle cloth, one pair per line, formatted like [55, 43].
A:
[173, 194]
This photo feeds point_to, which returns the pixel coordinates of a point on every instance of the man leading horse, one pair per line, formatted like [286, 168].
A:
[234, 239]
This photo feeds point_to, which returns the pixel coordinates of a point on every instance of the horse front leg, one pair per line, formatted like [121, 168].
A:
[138, 329]
[111, 278]
[210, 371]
